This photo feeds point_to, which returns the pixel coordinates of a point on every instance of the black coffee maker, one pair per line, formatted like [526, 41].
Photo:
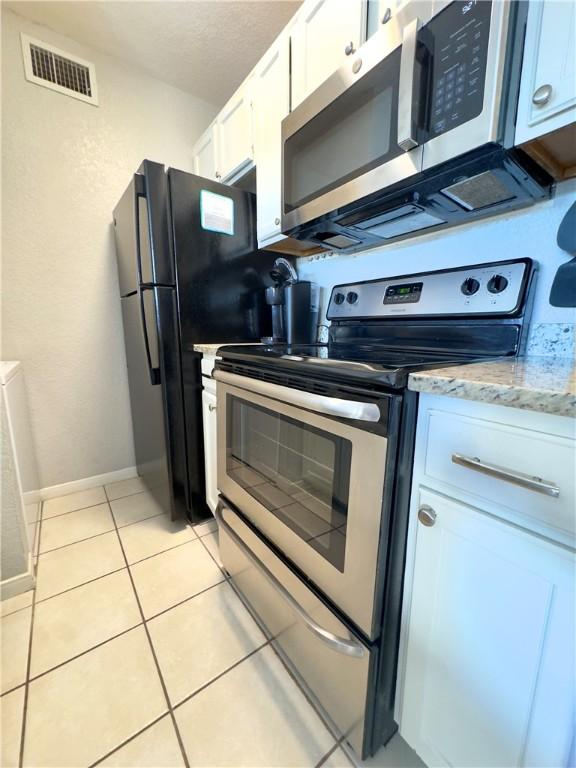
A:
[294, 306]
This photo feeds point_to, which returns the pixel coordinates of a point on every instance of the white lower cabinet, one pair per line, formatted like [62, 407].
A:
[487, 672]
[209, 420]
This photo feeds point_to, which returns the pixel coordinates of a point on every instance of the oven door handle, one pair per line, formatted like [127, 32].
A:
[331, 406]
[347, 646]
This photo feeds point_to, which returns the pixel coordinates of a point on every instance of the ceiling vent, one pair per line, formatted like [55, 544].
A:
[49, 66]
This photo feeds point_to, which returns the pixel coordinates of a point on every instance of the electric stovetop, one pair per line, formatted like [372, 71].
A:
[367, 363]
[383, 330]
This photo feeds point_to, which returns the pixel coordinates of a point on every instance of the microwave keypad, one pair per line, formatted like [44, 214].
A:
[460, 36]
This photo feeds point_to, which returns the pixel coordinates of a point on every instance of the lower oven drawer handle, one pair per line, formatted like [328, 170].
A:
[348, 647]
[529, 482]
[331, 406]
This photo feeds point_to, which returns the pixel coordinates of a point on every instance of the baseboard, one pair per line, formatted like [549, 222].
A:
[87, 482]
[32, 497]
[20, 583]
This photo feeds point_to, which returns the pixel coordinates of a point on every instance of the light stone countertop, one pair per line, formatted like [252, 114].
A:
[545, 384]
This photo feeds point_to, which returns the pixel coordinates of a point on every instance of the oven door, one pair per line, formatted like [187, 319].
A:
[310, 475]
[358, 132]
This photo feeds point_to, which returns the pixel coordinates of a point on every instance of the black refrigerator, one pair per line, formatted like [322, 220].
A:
[189, 272]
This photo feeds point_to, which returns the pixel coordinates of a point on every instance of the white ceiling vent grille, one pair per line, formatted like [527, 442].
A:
[58, 70]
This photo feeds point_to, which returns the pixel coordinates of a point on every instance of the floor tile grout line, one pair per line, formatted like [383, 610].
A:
[84, 652]
[71, 544]
[161, 552]
[30, 639]
[11, 690]
[327, 755]
[186, 600]
[153, 651]
[129, 739]
[16, 610]
[111, 530]
[71, 511]
[77, 586]
[203, 687]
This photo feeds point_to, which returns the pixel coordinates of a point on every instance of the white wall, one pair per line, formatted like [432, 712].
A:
[65, 165]
[527, 233]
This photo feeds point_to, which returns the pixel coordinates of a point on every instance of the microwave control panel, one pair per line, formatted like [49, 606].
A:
[484, 289]
[458, 37]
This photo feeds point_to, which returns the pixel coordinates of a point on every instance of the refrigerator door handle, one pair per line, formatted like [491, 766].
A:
[154, 371]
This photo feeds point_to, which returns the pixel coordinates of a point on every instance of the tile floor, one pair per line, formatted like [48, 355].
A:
[134, 650]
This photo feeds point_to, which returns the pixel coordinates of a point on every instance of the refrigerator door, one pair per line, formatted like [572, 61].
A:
[221, 275]
[146, 397]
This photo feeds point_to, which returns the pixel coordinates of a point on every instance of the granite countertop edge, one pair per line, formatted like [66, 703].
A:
[543, 384]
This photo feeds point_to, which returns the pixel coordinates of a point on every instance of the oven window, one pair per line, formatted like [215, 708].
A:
[299, 473]
[351, 136]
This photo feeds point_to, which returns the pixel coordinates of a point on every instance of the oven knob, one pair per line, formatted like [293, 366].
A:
[497, 284]
[470, 286]
[339, 298]
[352, 297]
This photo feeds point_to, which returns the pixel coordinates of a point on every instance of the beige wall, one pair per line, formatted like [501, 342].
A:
[65, 164]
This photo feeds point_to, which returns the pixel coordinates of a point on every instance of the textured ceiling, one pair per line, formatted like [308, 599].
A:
[205, 47]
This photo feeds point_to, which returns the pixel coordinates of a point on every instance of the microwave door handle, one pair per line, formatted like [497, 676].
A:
[406, 123]
[347, 646]
[330, 406]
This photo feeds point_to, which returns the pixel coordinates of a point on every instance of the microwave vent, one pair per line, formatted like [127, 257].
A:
[479, 191]
[58, 70]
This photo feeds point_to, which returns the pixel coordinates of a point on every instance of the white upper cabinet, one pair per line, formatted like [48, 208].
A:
[490, 657]
[235, 136]
[324, 34]
[548, 86]
[271, 105]
[205, 154]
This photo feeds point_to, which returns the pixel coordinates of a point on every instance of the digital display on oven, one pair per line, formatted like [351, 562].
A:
[409, 293]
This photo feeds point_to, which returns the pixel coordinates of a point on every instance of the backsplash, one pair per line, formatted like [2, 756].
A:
[527, 233]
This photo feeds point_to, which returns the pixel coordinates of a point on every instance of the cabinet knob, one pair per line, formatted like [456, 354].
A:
[218, 175]
[212, 407]
[349, 50]
[387, 16]
[426, 515]
[542, 95]
[276, 221]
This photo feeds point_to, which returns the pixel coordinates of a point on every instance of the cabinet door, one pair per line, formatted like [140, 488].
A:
[489, 677]
[209, 419]
[548, 87]
[205, 153]
[235, 144]
[271, 105]
[320, 40]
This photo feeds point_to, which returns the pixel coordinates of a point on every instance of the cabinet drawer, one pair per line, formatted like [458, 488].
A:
[502, 456]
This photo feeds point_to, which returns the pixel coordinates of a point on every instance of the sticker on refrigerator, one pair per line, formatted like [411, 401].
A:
[216, 212]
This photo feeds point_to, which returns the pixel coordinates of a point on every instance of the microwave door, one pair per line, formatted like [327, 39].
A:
[473, 82]
[342, 143]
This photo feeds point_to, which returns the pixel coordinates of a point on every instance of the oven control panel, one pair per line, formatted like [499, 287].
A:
[484, 289]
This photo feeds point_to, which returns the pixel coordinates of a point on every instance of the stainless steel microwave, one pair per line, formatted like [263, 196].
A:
[414, 132]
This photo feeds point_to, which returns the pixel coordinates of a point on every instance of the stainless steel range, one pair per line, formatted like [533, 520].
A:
[314, 467]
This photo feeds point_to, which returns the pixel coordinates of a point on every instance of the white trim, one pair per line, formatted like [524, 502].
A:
[29, 73]
[31, 497]
[23, 582]
[52, 491]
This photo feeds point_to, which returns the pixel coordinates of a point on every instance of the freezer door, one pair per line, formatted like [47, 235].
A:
[221, 276]
[156, 259]
[146, 396]
[126, 229]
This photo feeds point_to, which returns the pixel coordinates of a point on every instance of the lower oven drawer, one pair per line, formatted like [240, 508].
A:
[333, 663]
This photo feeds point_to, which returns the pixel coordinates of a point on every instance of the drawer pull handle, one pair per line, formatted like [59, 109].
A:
[347, 646]
[211, 407]
[529, 482]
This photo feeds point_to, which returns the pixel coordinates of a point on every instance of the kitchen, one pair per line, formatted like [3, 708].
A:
[409, 415]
